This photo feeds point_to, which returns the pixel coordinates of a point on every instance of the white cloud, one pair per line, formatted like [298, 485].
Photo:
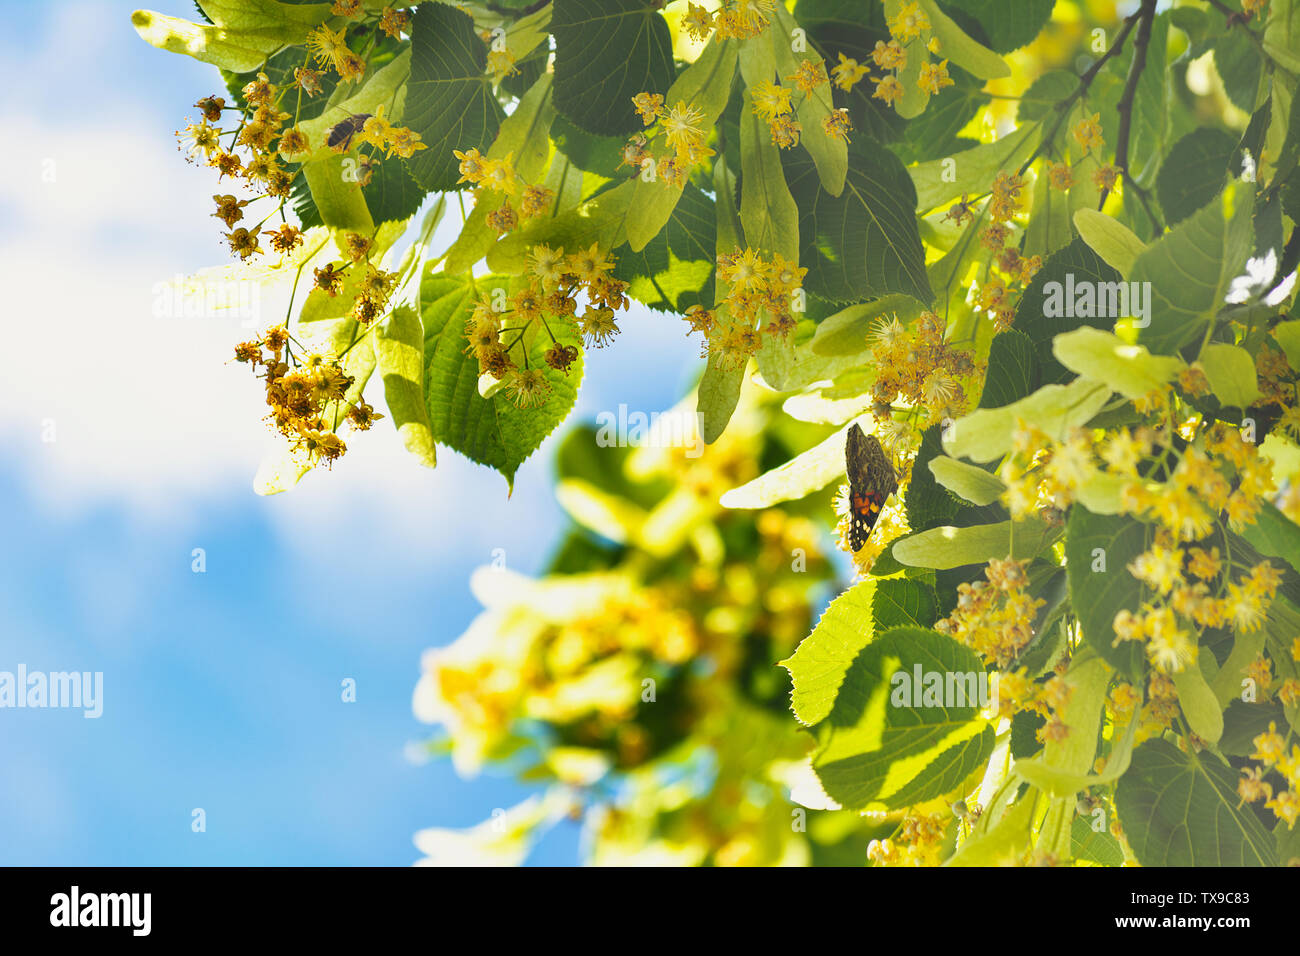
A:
[147, 413]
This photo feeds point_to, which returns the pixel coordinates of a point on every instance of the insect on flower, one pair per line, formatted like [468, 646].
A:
[871, 482]
[341, 134]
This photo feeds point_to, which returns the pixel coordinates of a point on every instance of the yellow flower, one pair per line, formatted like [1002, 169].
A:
[889, 56]
[404, 142]
[810, 75]
[499, 174]
[1287, 807]
[1060, 176]
[697, 21]
[837, 124]
[848, 72]
[934, 77]
[888, 89]
[770, 100]
[648, 106]
[1269, 746]
[547, 263]
[472, 166]
[681, 126]
[910, 23]
[1088, 132]
[1160, 567]
[500, 64]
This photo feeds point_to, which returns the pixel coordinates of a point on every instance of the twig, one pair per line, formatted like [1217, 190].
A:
[1235, 18]
[1063, 107]
[1146, 17]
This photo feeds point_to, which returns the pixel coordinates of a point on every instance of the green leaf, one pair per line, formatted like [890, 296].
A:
[1239, 64]
[1203, 712]
[399, 350]
[946, 547]
[1104, 357]
[524, 137]
[599, 220]
[831, 155]
[1095, 846]
[1002, 844]
[1194, 172]
[243, 33]
[1243, 722]
[674, 271]
[940, 181]
[986, 434]
[878, 749]
[1118, 246]
[1274, 535]
[1012, 371]
[954, 44]
[767, 210]
[720, 385]
[1098, 550]
[1282, 34]
[1087, 679]
[706, 85]
[797, 478]
[1231, 373]
[821, 661]
[863, 243]
[1008, 26]
[969, 481]
[1150, 127]
[490, 431]
[606, 52]
[1182, 809]
[845, 332]
[449, 99]
[718, 395]
[341, 204]
[1064, 295]
[1192, 267]
[1060, 782]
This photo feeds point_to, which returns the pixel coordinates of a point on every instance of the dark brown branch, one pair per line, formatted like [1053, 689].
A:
[1063, 107]
[1146, 17]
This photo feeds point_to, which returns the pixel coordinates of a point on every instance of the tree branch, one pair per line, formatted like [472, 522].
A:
[1063, 107]
[1146, 17]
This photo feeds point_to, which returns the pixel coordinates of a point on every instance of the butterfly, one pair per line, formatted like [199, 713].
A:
[871, 482]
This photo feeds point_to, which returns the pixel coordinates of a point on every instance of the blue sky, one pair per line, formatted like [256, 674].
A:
[221, 689]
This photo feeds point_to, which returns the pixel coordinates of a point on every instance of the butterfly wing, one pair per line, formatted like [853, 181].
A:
[871, 482]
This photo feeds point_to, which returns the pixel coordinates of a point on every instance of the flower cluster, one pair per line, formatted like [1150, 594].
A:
[919, 842]
[1087, 133]
[775, 105]
[306, 394]
[1190, 590]
[496, 182]
[1281, 765]
[682, 130]
[760, 301]
[735, 20]
[995, 617]
[892, 57]
[919, 367]
[499, 328]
